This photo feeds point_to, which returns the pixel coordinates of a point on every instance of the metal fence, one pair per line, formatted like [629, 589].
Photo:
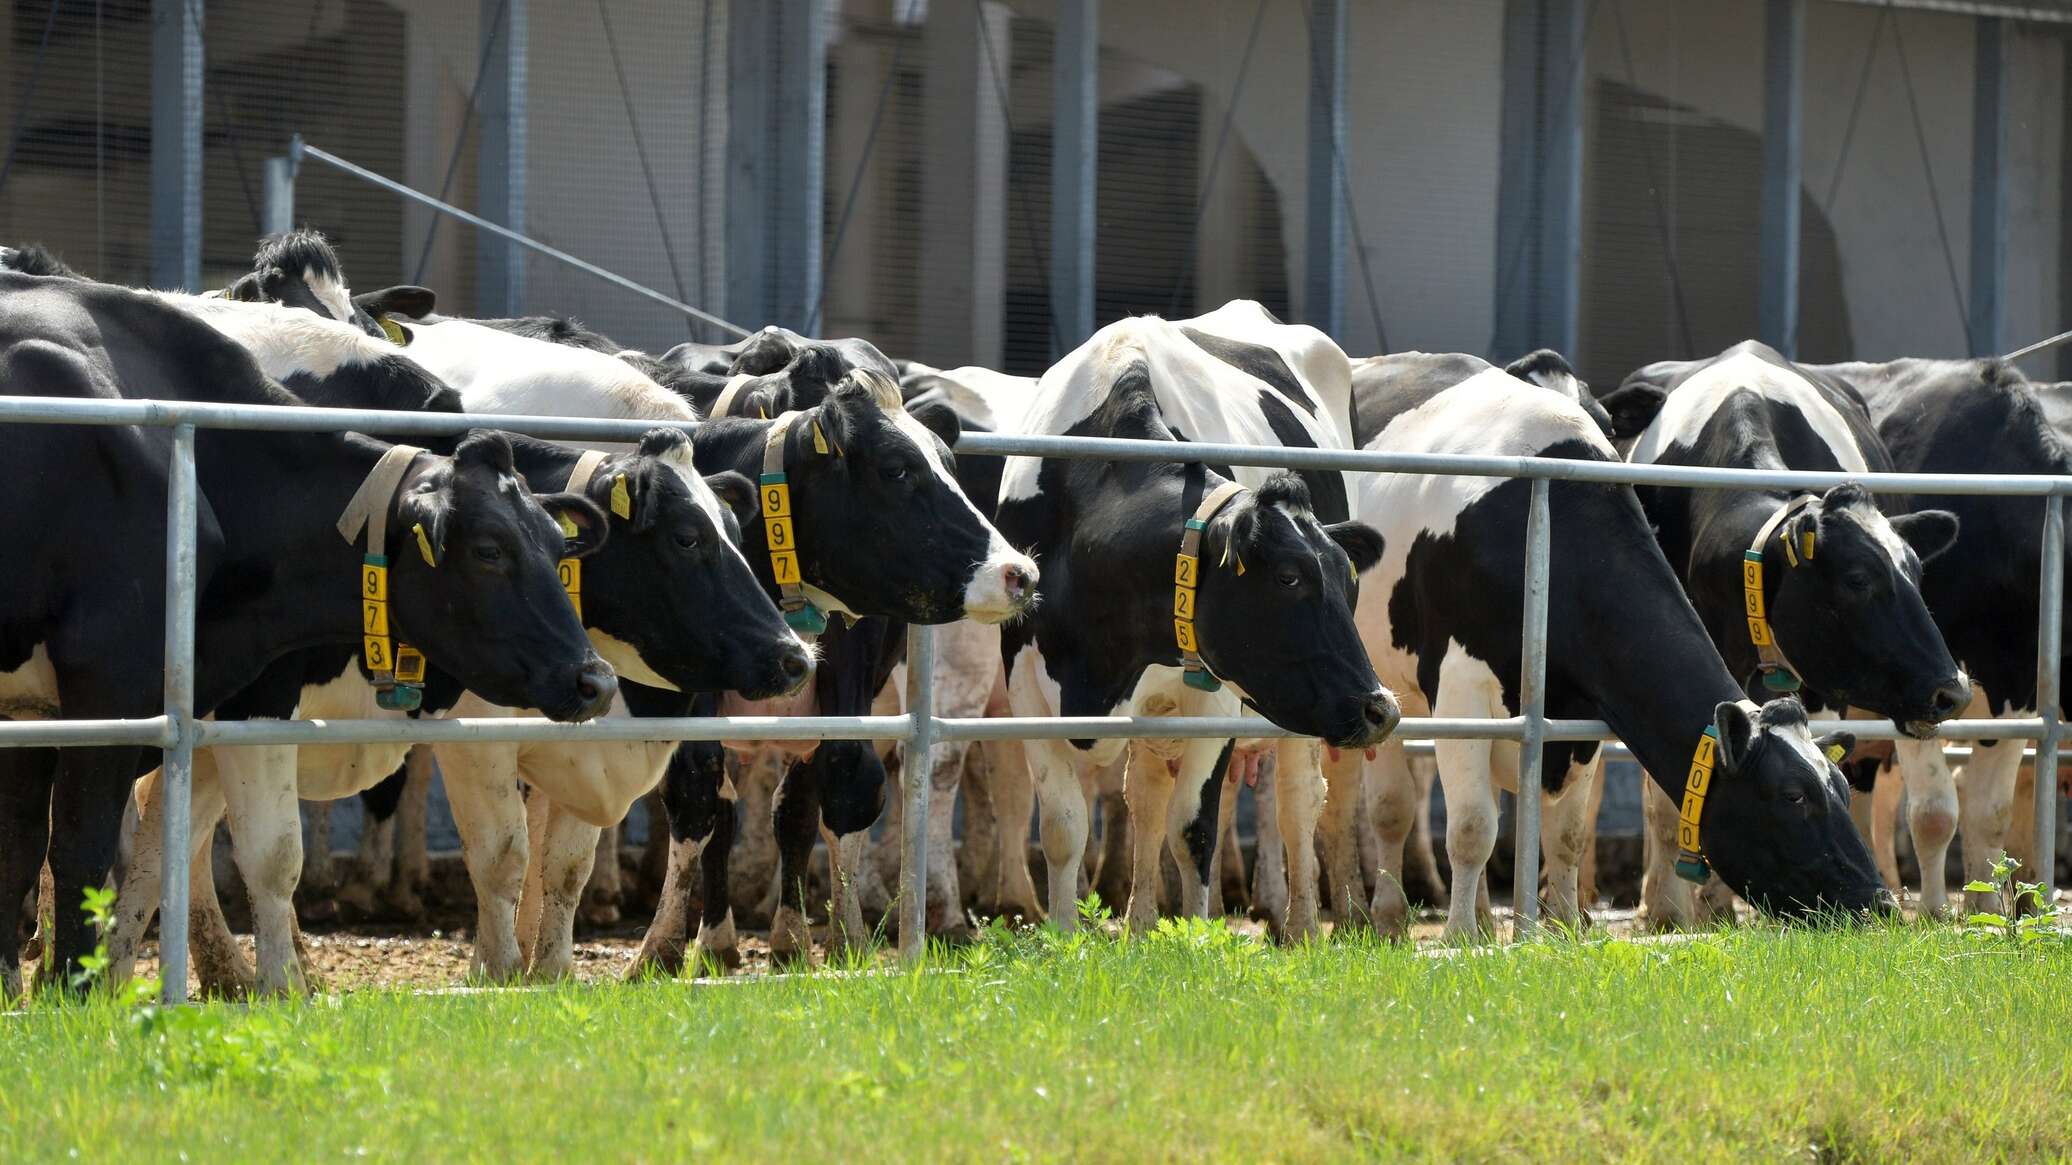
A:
[178, 732]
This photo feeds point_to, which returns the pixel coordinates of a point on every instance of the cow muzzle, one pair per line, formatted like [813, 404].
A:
[1379, 715]
[1001, 587]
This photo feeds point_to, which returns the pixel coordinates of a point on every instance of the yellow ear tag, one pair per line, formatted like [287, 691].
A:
[424, 544]
[819, 440]
[1806, 546]
[393, 331]
[1835, 753]
[622, 499]
[1241, 568]
[569, 529]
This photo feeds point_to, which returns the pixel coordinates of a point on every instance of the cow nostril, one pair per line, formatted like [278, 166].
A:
[1948, 699]
[1015, 580]
[793, 664]
[596, 682]
[1381, 713]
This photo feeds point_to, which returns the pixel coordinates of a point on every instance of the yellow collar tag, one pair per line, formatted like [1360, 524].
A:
[1690, 847]
[570, 571]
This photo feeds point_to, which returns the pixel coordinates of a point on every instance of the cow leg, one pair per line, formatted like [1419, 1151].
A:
[1932, 809]
[1467, 688]
[1392, 806]
[564, 848]
[1344, 781]
[1586, 871]
[945, 913]
[717, 949]
[978, 852]
[846, 932]
[607, 888]
[1299, 803]
[1988, 783]
[86, 807]
[318, 887]
[413, 827]
[27, 776]
[489, 813]
[1269, 861]
[1424, 771]
[1226, 863]
[1665, 899]
[1111, 877]
[265, 817]
[136, 902]
[1566, 836]
[1062, 827]
[796, 818]
[1013, 796]
[1147, 792]
[220, 970]
[1883, 824]
[1191, 818]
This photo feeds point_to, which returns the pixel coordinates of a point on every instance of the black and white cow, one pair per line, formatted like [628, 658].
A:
[1841, 579]
[1278, 577]
[1972, 416]
[1442, 616]
[273, 572]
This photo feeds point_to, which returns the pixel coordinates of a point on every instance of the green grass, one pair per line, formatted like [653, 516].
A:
[1915, 1044]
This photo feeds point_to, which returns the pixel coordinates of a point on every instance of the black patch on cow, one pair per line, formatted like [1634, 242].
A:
[1256, 361]
[1326, 486]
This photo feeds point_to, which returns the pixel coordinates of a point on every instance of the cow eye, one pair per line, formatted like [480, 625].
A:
[1795, 796]
[688, 539]
[893, 471]
[489, 552]
[1289, 579]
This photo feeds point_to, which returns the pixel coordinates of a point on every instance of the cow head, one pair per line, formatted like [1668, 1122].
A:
[1850, 615]
[479, 595]
[298, 268]
[883, 526]
[1550, 370]
[682, 601]
[1274, 615]
[1776, 821]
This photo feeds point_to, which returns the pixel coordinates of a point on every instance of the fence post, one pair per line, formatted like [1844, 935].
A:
[914, 777]
[176, 774]
[1532, 700]
[277, 209]
[2050, 627]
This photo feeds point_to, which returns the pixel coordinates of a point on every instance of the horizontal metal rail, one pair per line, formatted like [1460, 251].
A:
[300, 149]
[177, 733]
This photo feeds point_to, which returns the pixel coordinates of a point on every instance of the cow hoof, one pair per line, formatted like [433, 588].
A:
[406, 905]
[601, 914]
[321, 908]
[358, 898]
[10, 984]
[704, 962]
[657, 957]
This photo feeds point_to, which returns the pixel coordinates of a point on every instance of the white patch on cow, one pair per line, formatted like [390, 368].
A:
[625, 659]
[1491, 413]
[330, 293]
[30, 692]
[1695, 402]
[986, 596]
[285, 340]
[1200, 396]
[995, 400]
[497, 372]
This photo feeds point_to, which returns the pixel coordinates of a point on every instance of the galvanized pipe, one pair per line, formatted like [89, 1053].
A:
[1532, 701]
[302, 149]
[914, 777]
[150, 731]
[536, 730]
[176, 783]
[2050, 630]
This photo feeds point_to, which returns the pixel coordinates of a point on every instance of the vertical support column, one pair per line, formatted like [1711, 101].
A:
[277, 211]
[500, 165]
[1532, 700]
[776, 159]
[1561, 150]
[176, 81]
[964, 182]
[2050, 629]
[1989, 187]
[1784, 59]
[913, 777]
[1323, 280]
[1518, 178]
[177, 772]
[1075, 151]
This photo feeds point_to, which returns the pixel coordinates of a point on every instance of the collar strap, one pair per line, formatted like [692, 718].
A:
[397, 668]
[724, 405]
[570, 570]
[1186, 576]
[1690, 848]
[1778, 674]
[782, 540]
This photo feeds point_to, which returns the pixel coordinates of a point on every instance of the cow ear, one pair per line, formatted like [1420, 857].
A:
[575, 512]
[1632, 408]
[405, 300]
[1929, 532]
[486, 447]
[1736, 730]
[1362, 543]
[247, 288]
[737, 493]
[939, 418]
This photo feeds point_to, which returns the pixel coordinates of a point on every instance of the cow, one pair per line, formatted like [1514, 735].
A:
[1442, 616]
[471, 575]
[1971, 416]
[1262, 611]
[1840, 615]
